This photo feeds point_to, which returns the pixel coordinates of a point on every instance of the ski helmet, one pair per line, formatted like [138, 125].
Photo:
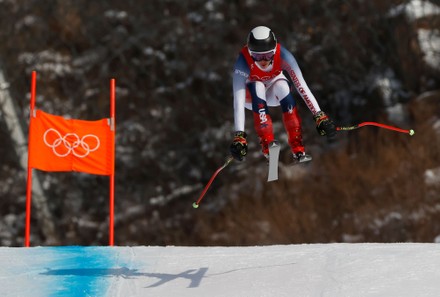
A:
[261, 39]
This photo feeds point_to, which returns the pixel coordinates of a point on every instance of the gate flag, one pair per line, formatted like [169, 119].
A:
[59, 144]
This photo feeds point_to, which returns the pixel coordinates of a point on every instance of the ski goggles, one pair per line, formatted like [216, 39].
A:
[267, 56]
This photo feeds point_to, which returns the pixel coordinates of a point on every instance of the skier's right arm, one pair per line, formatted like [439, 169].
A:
[241, 72]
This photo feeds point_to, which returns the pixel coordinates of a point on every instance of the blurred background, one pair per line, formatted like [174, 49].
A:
[364, 61]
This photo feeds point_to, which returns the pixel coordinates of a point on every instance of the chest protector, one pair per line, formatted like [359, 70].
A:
[256, 74]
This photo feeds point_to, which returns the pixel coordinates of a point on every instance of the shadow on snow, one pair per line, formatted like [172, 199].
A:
[193, 275]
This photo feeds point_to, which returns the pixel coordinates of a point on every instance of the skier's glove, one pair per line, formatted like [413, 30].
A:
[238, 146]
[324, 125]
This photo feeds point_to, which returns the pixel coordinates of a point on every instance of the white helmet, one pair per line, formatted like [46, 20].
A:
[261, 39]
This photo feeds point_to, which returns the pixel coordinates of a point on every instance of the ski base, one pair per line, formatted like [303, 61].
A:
[303, 159]
[274, 154]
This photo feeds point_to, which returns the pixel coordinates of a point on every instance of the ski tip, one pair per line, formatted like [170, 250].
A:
[411, 132]
[195, 205]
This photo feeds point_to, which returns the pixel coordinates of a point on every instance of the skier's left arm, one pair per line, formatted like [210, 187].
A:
[324, 124]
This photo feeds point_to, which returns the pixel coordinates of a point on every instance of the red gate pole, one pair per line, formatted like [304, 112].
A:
[112, 176]
[29, 172]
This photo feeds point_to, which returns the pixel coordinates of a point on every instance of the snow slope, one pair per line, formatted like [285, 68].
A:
[403, 270]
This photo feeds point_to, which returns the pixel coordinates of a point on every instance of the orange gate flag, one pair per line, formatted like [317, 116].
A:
[59, 144]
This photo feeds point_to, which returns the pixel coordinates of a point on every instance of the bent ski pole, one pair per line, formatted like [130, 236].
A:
[348, 128]
[228, 160]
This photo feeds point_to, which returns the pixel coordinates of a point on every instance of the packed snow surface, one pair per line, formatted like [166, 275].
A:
[401, 269]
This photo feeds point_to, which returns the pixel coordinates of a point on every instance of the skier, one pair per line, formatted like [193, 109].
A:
[263, 74]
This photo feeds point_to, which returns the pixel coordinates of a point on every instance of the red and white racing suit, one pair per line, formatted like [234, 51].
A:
[256, 89]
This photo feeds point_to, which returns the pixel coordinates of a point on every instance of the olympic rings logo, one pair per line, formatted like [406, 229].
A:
[72, 144]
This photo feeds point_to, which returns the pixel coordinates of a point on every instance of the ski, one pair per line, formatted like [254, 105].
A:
[302, 159]
[274, 153]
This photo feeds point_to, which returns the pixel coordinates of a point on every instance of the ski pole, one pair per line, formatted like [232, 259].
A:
[228, 160]
[348, 128]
